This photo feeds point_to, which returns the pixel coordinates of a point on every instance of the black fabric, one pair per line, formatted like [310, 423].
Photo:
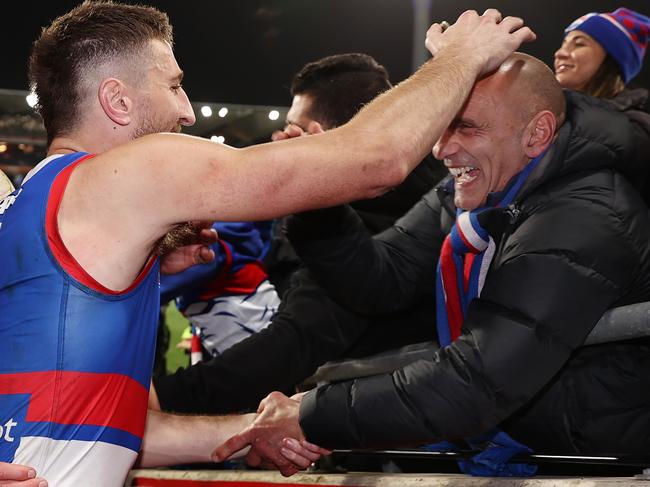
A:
[377, 214]
[306, 332]
[576, 242]
[309, 328]
[616, 376]
[634, 104]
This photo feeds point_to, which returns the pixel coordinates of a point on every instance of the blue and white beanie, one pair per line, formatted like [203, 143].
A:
[623, 34]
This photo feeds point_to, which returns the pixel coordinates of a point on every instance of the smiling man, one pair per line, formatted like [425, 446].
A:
[535, 235]
[488, 143]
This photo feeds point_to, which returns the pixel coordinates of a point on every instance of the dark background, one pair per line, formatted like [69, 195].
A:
[246, 51]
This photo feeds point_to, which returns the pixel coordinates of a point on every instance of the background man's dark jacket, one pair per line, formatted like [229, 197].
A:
[377, 214]
[575, 243]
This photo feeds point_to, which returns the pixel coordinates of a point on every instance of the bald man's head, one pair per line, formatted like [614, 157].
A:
[510, 117]
[528, 86]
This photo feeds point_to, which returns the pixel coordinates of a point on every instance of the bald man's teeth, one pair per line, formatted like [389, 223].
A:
[463, 174]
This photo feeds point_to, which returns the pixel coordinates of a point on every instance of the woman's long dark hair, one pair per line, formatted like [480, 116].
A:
[607, 82]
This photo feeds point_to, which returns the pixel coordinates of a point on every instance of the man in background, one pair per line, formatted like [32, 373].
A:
[326, 94]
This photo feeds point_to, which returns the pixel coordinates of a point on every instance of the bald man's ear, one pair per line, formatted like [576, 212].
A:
[539, 133]
[115, 101]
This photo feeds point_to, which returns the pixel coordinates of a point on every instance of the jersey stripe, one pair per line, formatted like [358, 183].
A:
[107, 409]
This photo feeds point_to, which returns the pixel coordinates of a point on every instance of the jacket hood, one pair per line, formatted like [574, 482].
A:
[594, 135]
[631, 99]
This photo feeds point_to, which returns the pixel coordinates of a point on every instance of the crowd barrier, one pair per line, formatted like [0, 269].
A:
[221, 478]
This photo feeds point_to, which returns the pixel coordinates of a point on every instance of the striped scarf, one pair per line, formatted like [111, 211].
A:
[465, 258]
[464, 261]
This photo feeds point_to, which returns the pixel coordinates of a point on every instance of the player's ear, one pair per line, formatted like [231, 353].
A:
[115, 101]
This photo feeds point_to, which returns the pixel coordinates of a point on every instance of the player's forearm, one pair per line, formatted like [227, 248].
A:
[172, 439]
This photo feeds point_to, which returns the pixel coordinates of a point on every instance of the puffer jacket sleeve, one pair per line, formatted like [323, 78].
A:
[556, 277]
[371, 275]
[639, 172]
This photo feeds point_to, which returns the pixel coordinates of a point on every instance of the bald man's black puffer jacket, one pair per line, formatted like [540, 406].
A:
[575, 242]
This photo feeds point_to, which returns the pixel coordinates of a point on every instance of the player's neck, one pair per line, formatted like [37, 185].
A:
[79, 143]
[59, 146]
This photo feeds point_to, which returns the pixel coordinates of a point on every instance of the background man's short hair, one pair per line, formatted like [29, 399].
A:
[340, 85]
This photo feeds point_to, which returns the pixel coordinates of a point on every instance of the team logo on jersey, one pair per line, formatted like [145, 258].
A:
[13, 408]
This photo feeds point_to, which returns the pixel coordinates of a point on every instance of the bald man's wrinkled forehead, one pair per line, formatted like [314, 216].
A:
[527, 85]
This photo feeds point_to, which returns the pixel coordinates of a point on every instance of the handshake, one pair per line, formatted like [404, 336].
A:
[275, 438]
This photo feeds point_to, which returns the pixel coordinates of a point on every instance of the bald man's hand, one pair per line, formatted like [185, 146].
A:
[488, 39]
[277, 421]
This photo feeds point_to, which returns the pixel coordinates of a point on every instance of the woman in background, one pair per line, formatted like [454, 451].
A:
[600, 54]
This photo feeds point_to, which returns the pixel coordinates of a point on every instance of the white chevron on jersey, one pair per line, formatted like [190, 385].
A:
[86, 461]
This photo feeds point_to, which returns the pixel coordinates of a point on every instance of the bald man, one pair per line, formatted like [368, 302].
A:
[536, 236]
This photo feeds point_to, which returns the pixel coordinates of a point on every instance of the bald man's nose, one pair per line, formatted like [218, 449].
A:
[444, 145]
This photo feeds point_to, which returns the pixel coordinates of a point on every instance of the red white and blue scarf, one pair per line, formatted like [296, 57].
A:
[464, 261]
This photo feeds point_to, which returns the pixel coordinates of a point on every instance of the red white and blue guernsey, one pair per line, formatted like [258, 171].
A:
[76, 357]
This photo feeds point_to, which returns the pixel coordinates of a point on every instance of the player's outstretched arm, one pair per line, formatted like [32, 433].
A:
[171, 439]
[171, 178]
[127, 198]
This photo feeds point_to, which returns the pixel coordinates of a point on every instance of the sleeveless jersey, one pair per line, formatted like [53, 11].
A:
[76, 357]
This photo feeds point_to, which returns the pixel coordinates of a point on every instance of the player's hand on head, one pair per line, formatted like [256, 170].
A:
[488, 39]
